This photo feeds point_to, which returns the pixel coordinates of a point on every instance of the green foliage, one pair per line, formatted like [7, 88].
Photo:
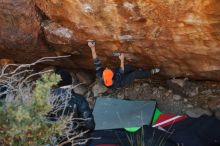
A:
[23, 122]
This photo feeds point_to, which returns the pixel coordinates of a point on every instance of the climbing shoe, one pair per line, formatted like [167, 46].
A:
[155, 70]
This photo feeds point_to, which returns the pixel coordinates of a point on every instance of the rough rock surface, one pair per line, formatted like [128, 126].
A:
[205, 102]
[193, 106]
[57, 34]
[180, 37]
[85, 77]
[214, 104]
[197, 112]
[98, 89]
[80, 89]
[19, 31]
[183, 87]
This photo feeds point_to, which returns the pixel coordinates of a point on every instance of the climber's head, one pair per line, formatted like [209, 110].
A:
[107, 76]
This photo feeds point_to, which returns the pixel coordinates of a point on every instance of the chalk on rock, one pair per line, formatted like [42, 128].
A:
[177, 97]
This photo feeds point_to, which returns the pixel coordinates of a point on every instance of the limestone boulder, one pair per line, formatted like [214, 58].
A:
[180, 37]
[57, 34]
[19, 31]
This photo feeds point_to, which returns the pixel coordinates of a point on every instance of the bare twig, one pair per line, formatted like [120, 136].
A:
[22, 66]
[16, 79]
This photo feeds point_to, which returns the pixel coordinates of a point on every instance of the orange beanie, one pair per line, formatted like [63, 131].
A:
[107, 77]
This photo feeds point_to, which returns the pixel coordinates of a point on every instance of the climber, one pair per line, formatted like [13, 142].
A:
[120, 76]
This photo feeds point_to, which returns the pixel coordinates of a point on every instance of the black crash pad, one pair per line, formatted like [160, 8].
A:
[111, 113]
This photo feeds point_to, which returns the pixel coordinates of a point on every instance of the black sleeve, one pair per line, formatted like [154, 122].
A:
[77, 104]
[84, 111]
[98, 68]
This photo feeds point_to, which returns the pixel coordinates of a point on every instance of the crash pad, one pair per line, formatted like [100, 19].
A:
[112, 113]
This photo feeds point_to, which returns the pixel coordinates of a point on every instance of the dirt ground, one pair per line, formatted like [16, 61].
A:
[167, 99]
[175, 96]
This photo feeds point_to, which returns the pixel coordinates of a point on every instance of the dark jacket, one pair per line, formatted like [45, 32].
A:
[117, 78]
[78, 105]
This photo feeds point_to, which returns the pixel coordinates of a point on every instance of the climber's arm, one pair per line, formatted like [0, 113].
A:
[91, 44]
[96, 60]
[122, 65]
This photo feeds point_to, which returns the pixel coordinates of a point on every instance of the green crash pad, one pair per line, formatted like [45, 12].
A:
[111, 113]
[155, 117]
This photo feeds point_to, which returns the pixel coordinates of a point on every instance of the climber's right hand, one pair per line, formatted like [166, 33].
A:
[121, 56]
[91, 43]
